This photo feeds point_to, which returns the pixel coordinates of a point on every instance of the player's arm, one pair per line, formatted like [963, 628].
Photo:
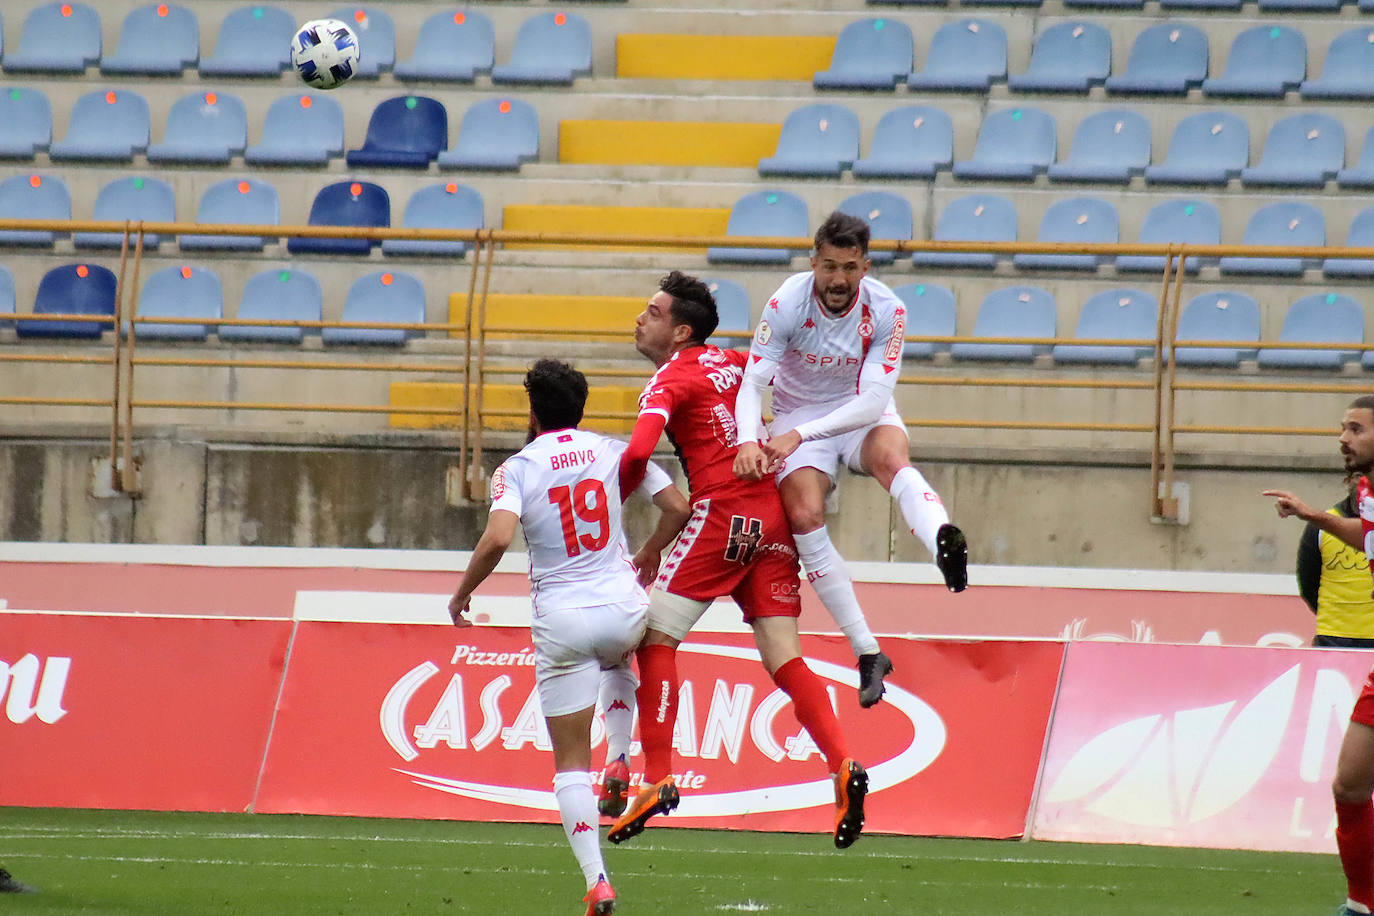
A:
[491, 546]
[1309, 567]
[673, 513]
[634, 461]
[750, 461]
[1347, 529]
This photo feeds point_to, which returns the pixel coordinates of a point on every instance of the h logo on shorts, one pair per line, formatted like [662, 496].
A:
[745, 534]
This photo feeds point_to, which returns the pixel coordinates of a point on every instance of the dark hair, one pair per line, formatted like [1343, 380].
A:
[843, 231]
[693, 304]
[558, 393]
[1363, 402]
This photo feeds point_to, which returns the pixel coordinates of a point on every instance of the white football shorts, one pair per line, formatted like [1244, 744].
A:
[573, 645]
[825, 455]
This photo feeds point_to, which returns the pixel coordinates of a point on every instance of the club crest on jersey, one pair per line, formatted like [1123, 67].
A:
[866, 329]
[764, 333]
[498, 482]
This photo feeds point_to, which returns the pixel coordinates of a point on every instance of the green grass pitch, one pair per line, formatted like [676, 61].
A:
[118, 862]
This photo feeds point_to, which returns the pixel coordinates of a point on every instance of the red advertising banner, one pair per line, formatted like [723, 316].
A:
[1213, 746]
[136, 712]
[427, 721]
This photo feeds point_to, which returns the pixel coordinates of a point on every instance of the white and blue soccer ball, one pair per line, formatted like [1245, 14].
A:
[325, 53]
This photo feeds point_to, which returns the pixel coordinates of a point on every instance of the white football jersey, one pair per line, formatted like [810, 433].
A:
[565, 486]
[820, 355]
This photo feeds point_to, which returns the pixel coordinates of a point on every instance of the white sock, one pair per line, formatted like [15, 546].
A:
[618, 706]
[1355, 907]
[828, 576]
[920, 505]
[577, 805]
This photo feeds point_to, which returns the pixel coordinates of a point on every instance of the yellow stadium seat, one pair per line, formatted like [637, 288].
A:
[637, 222]
[541, 316]
[698, 143]
[722, 57]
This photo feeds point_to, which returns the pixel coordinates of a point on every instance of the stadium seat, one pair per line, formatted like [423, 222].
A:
[446, 205]
[551, 49]
[1361, 174]
[404, 132]
[969, 54]
[930, 312]
[1219, 316]
[1348, 72]
[974, 218]
[7, 300]
[1264, 62]
[732, 305]
[108, 125]
[134, 199]
[72, 289]
[376, 38]
[1185, 222]
[1076, 220]
[345, 203]
[25, 123]
[816, 140]
[888, 216]
[299, 129]
[180, 292]
[914, 141]
[495, 135]
[1302, 150]
[1361, 235]
[278, 294]
[1013, 145]
[253, 41]
[1108, 146]
[380, 297]
[57, 38]
[1288, 223]
[206, 128]
[869, 54]
[1210, 147]
[1106, 4]
[778, 214]
[1166, 59]
[155, 40]
[453, 46]
[1014, 311]
[1299, 6]
[1066, 57]
[1318, 318]
[1113, 314]
[235, 201]
[33, 197]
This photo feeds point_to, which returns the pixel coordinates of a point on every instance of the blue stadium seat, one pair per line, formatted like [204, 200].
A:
[914, 141]
[108, 125]
[869, 54]
[1288, 223]
[1014, 311]
[777, 214]
[1318, 318]
[495, 135]
[1218, 316]
[380, 297]
[1226, 5]
[345, 203]
[732, 306]
[1108, 146]
[253, 41]
[1361, 235]
[888, 216]
[1185, 222]
[1210, 147]
[33, 197]
[1264, 62]
[155, 40]
[969, 54]
[1014, 144]
[1166, 59]
[299, 129]
[1076, 220]
[930, 312]
[1066, 57]
[376, 38]
[203, 128]
[818, 140]
[57, 38]
[7, 300]
[551, 49]
[134, 199]
[25, 123]
[404, 132]
[1348, 72]
[974, 218]
[278, 294]
[235, 201]
[1300, 6]
[1113, 314]
[1361, 174]
[1106, 4]
[1301, 150]
[180, 292]
[72, 289]
[447, 205]
[453, 46]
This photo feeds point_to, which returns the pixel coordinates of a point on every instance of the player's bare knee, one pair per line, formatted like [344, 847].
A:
[1351, 791]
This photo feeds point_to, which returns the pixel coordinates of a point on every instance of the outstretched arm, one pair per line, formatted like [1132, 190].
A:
[634, 461]
[491, 546]
[1347, 529]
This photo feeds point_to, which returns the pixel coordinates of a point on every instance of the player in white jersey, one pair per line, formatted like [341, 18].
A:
[563, 490]
[830, 343]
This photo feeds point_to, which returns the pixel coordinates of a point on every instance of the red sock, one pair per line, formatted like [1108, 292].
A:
[657, 698]
[1355, 841]
[812, 706]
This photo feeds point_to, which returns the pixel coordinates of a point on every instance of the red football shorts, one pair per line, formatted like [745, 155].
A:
[1363, 712]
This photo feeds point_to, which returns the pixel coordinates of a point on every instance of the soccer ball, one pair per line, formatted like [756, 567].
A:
[325, 53]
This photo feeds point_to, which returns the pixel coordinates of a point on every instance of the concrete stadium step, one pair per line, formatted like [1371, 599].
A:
[505, 407]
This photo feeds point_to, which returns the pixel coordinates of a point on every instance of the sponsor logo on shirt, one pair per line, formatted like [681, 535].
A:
[498, 482]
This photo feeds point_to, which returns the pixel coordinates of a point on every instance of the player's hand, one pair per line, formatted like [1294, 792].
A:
[457, 607]
[1286, 504]
[750, 462]
[779, 447]
[646, 567]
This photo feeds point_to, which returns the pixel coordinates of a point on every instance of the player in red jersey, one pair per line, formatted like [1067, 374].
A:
[736, 542]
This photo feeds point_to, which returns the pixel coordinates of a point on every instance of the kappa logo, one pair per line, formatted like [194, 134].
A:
[619, 704]
[581, 827]
[808, 323]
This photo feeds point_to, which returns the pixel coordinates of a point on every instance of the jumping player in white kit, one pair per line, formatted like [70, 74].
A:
[563, 490]
[830, 344]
